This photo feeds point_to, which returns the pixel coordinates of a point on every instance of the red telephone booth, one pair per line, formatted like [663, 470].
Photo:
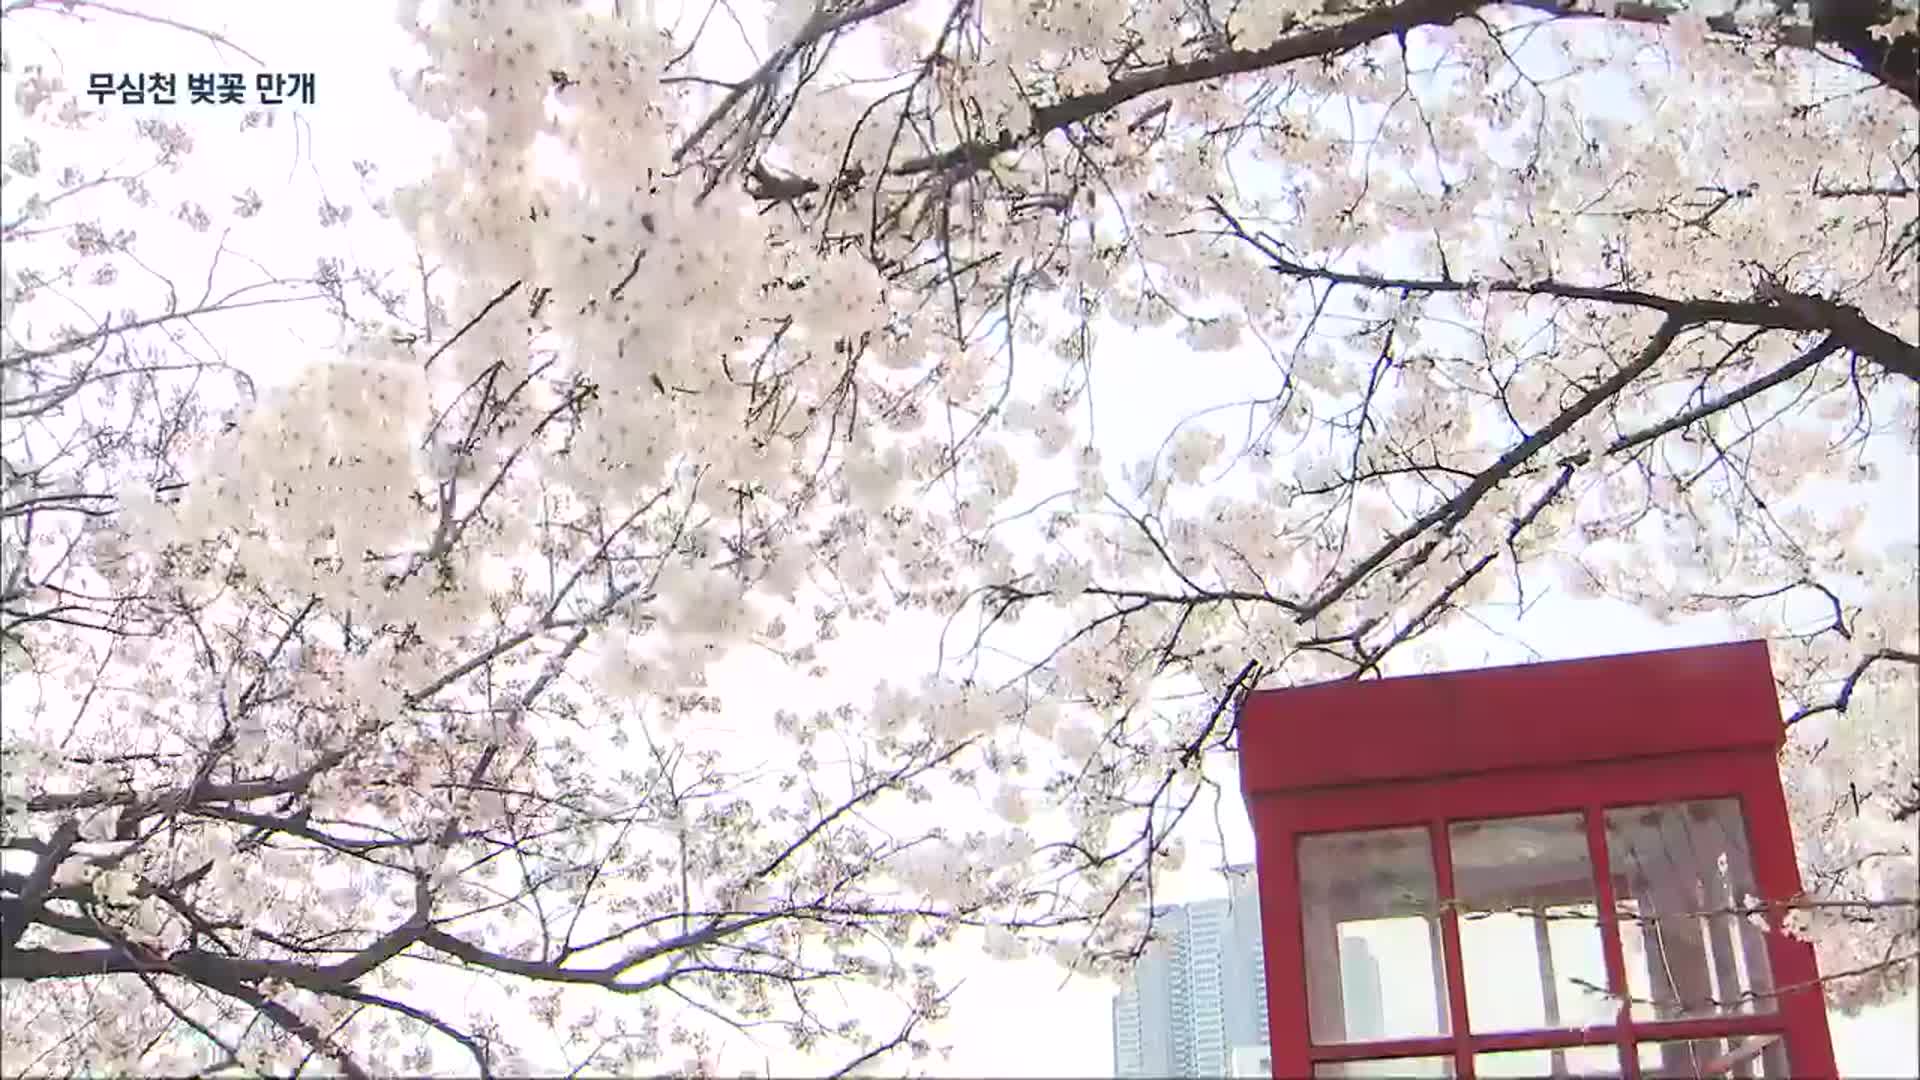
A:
[1531, 871]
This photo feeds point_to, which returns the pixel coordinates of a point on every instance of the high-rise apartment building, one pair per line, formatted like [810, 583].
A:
[1197, 1002]
[1199, 992]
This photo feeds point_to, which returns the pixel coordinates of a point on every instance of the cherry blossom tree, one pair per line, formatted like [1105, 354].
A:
[317, 691]
[727, 331]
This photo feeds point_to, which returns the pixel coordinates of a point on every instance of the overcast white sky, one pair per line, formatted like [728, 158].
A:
[1010, 1018]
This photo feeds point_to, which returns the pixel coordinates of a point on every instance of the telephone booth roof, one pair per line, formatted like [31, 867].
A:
[1557, 714]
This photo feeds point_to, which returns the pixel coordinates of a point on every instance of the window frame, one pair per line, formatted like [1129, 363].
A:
[1745, 776]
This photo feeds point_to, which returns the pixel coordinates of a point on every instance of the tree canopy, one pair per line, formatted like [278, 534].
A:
[727, 335]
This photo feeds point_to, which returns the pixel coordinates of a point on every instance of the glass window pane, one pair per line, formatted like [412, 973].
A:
[1387, 1067]
[1250, 1061]
[1754, 1057]
[1530, 936]
[1371, 927]
[1680, 870]
[1568, 1061]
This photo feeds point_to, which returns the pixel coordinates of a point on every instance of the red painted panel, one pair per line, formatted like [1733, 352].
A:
[1512, 793]
[1610, 947]
[1638, 705]
[1450, 945]
[1776, 870]
[1277, 873]
[1493, 1042]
